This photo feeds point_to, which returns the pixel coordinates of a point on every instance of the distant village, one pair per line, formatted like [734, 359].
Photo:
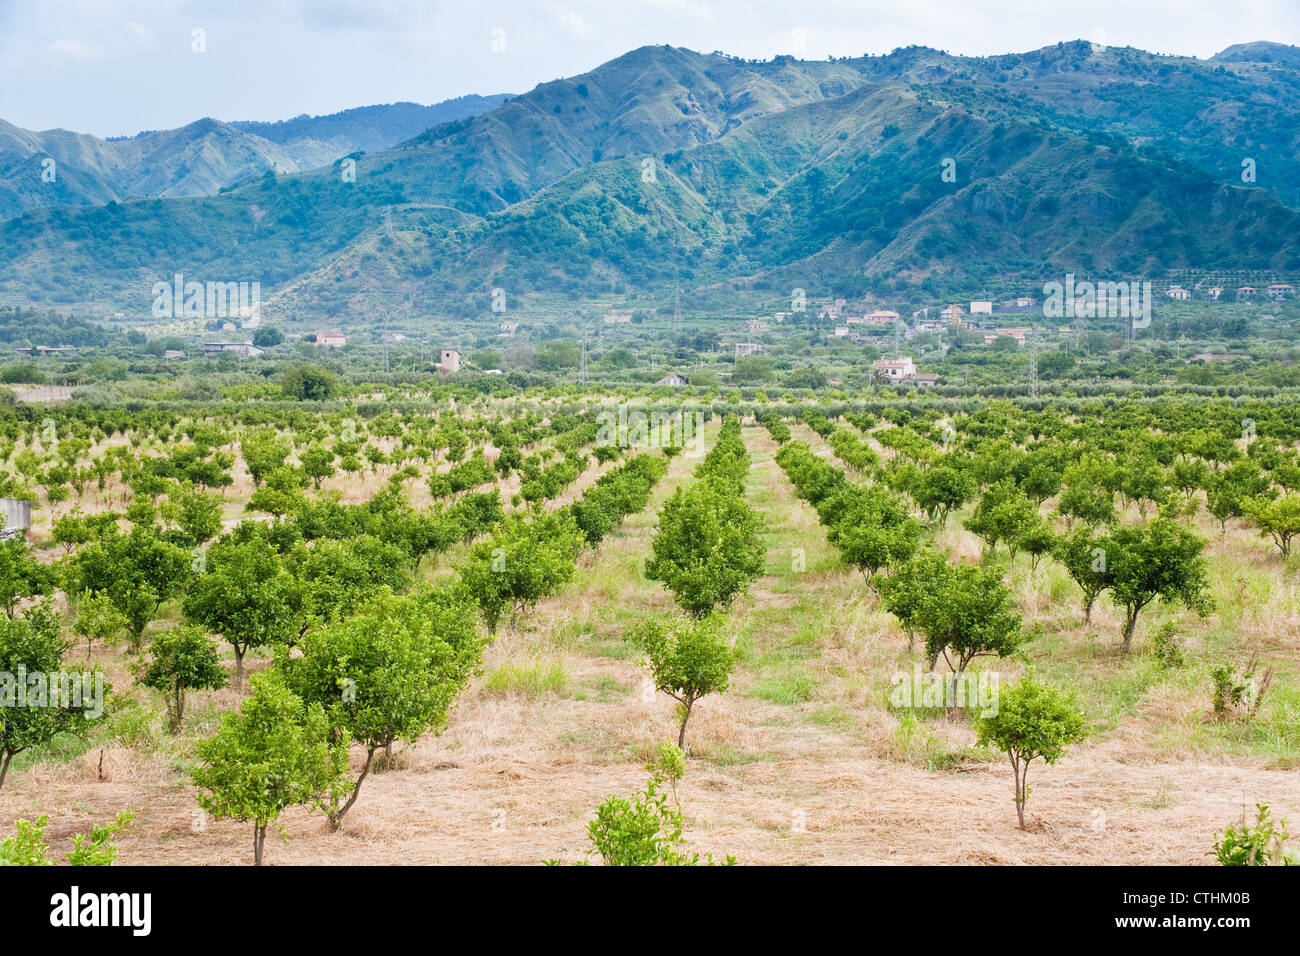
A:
[1013, 320]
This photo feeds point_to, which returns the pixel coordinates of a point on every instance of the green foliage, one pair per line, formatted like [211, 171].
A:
[706, 548]
[623, 491]
[94, 848]
[21, 575]
[267, 336]
[182, 659]
[98, 619]
[1032, 721]
[1165, 647]
[1158, 559]
[137, 571]
[275, 753]
[942, 489]
[1277, 519]
[1083, 555]
[964, 611]
[308, 383]
[1005, 515]
[317, 463]
[391, 671]
[246, 594]
[1262, 843]
[31, 644]
[689, 658]
[197, 515]
[646, 830]
[527, 559]
[28, 847]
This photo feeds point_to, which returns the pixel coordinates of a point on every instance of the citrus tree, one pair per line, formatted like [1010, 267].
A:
[1032, 721]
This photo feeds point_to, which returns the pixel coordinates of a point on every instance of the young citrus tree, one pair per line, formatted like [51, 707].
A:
[31, 644]
[646, 830]
[1083, 555]
[247, 595]
[1278, 519]
[706, 549]
[275, 753]
[1159, 559]
[689, 659]
[968, 613]
[98, 619]
[182, 659]
[389, 672]
[1032, 721]
[527, 559]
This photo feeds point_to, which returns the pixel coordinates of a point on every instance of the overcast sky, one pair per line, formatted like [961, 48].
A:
[115, 67]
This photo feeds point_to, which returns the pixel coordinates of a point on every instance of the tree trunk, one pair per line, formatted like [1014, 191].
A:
[259, 840]
[956, 686]
[1020, 801]
[178, 709]
[4, 768]
[681, 735]
[337, 814]
[1130, 625]
[239, 665]
[1022, 778]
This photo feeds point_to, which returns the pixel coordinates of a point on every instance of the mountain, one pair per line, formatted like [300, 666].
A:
[1260, 52]
[311, 141]
[203, 157]
[668, 165]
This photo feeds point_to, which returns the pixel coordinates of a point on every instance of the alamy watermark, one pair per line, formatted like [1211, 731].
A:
[1093, 300]
[63, 690]
[179, 299]
[631, 427]
[973, 691]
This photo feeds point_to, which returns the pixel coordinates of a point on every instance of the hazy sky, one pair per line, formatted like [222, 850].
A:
[114, 67]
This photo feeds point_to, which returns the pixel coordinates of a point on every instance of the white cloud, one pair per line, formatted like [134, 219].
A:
[72, 48]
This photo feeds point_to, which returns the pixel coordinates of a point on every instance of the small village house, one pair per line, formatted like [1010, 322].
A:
[896, 370]
[1017, 334]
[242, 349]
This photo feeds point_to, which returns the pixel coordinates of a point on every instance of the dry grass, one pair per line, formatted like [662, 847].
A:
[802, 761]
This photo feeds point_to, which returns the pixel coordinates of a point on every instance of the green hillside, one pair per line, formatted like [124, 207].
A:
[667, 165]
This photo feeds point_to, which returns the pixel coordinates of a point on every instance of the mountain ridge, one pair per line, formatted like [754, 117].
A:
[665, 164]
[204, 156]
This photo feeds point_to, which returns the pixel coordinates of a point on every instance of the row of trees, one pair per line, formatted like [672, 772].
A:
[392, 669]
[706, 551]
[964, 611]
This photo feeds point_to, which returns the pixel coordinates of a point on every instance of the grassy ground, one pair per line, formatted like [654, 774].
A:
[802, 761]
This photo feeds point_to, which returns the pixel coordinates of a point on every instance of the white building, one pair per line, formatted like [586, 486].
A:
[896, 370]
